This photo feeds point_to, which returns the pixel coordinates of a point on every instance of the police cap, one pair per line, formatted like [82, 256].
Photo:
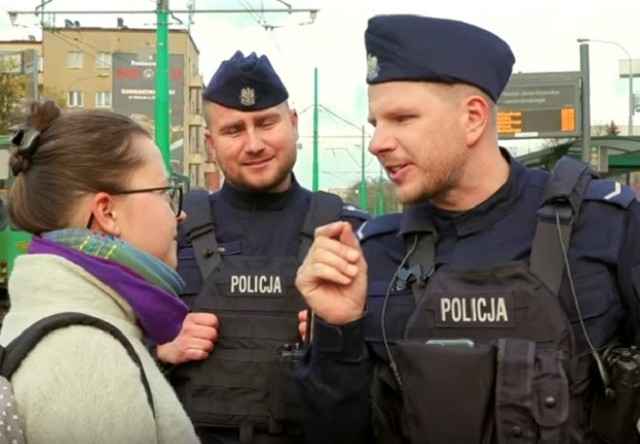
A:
[246, 83]
[410, 47]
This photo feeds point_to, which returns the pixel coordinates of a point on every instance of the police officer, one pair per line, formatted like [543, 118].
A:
[238, 256]
[491, 299]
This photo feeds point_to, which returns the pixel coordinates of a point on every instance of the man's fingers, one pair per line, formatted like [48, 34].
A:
[200, 344]
[302, 330]
[200, 332]
[331, 230]
[319, 271]
[195, 354]
[201, 318]
[325, 246]
[331, 259]
[348, 237]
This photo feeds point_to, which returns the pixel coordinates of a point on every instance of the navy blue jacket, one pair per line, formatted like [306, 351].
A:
[604, 256]
[259, 224]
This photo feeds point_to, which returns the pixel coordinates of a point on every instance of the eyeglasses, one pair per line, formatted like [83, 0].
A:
[173, 192]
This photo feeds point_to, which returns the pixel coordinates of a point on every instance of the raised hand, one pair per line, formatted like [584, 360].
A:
[333, 276]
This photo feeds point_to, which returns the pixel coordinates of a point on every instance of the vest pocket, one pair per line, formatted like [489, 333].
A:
[532, 393]
[506, 392]
[448, 391]
[285, 404]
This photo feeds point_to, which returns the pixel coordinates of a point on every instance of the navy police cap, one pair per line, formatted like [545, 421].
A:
[410, 47]
[246, 83]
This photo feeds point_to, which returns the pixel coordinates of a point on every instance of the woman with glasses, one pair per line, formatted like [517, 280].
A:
[92, 188]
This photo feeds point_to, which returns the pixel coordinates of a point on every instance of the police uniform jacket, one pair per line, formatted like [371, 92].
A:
[604, 258]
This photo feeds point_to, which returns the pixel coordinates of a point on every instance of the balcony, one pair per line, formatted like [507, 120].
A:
[195, 81]
[196, 158]
[210, 167]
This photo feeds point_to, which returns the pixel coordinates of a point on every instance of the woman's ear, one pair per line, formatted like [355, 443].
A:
[104, 214]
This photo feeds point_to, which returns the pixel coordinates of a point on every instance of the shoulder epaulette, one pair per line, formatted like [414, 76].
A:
[350, 211]
[387, 223]
[611, 192]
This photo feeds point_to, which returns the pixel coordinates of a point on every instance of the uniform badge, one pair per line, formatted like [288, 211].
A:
[372, 67]
[248, 96]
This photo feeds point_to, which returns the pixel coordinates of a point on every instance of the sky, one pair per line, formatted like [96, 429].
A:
[541, 33]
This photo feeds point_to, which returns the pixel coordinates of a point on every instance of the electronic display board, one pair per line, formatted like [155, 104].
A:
[541, 106]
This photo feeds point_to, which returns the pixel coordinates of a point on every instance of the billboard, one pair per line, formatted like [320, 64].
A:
[540, 105]
[134, 94]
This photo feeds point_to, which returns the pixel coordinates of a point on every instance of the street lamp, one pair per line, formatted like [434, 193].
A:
[629, 64]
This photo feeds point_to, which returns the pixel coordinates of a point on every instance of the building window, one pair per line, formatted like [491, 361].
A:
[103, 99]
[75, 99]
[195, 100]
[194, 175]
[74, 59]
[103, 60]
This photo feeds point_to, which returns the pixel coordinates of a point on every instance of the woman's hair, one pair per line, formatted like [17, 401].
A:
[71, 154]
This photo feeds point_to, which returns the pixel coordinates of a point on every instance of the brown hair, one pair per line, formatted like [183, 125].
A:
[77, 152]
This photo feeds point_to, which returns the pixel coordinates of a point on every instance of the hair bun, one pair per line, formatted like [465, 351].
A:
[42, 114]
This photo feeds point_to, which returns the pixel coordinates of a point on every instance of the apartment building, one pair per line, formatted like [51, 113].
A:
[114, 68]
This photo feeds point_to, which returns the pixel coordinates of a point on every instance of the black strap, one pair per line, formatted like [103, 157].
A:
[12, 355]
[324, 208]
[421, 251]
[200, 232]
[562, 198]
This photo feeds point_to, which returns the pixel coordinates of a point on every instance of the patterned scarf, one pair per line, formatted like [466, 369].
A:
[149, 285]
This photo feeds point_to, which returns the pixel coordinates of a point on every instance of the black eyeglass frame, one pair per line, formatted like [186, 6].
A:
[173, 188]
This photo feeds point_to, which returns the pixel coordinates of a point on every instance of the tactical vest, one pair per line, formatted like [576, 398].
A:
[488, 354]
[245, 384]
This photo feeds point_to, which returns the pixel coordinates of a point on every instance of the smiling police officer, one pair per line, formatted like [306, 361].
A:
[491, 300]
[238, 255]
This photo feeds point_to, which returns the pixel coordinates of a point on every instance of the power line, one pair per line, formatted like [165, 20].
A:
[179, 11]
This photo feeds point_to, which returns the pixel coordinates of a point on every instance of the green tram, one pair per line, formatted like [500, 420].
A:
[12, 241]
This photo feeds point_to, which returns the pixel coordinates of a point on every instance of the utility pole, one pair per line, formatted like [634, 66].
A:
[364, 198]
[586, 102]
[315, 166]
[162, 105]
[380, 195]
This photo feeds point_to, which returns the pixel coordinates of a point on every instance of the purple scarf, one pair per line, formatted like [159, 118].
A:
[159, 312]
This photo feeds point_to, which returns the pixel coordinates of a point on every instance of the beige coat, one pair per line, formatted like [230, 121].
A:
[79, 385]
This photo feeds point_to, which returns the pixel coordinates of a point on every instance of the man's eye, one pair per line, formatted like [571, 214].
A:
[404, 118]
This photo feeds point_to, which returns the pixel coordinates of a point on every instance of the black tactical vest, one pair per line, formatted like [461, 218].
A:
[488, 355]
[244, 384]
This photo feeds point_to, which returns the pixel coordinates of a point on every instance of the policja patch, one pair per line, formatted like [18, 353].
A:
[479, 310]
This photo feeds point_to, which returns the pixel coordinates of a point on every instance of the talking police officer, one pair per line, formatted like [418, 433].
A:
[239, 255]
[487, 311]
